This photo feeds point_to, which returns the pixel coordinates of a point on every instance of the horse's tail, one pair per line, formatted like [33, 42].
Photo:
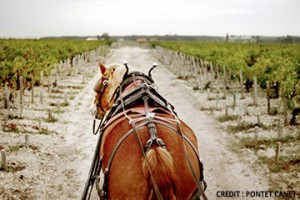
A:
[158, 163]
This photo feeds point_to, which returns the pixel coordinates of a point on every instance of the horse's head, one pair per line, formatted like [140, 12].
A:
[105, 88]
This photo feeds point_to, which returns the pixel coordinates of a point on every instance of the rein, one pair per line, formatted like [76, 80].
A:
[127, 80]
[145, 92]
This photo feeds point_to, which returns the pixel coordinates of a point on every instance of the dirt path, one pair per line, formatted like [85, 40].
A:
[59, 168]
[223, 170]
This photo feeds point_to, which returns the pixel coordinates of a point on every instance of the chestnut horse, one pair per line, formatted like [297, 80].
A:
[147, 152]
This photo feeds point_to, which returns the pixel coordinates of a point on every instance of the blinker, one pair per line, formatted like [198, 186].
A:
[99, 86]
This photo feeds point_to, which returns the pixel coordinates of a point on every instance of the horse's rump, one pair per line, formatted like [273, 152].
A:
[126, 176]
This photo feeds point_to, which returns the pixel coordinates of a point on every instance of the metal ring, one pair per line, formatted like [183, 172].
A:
[105, 82]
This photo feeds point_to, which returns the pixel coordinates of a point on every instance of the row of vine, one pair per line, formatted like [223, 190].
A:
[27, 57]
[277, 63]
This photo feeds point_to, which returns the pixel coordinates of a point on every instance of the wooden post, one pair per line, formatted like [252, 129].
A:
[42, 78]
[26, 141]
[217, 101]
[3, 160]
[49, 114]
[256, 133]
[40, 125]
[268, 97]
[242, 85]
[246, 111]
[239, 119]
[58, 104]
[65, 97]
[279, 130]
[42, 86]
[218, 74]
[57, 87]
[255, 91]
[277, 155]
[285, 111]
[71, 92]
[49, 88]
[234, 101]
[41, 95]
[21, 96]
[258, 119]
[225, 78]
[32, 91]
[229, 76]
[212, 72]
[56, 72]
[7, 94]
[226, 110]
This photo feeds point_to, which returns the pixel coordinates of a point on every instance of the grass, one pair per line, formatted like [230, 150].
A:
[20, 146]
[63, 104]
[11, 127]
[47, 132]
[12, 116]
[252, 143]
[210, 109]
[39, 109]
[226, 118]
[289, 161]
[244, 126]
[196, 87]
[239, 127]
[58, 111]
[55, 96]
[75, 87]
[14, 167]
[57, 91]
[274, 111]
[210, 98]
[207, 85]
[286, 163]
[51, 119]
[181, 77]
[251, 105]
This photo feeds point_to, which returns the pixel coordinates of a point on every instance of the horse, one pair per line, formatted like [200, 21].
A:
[146, 151]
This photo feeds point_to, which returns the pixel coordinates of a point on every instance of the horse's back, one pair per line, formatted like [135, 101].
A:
[126, 177]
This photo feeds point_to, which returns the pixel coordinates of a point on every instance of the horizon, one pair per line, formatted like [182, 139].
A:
[141, 35]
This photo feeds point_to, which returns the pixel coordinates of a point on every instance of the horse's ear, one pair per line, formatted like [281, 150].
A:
[102, 68]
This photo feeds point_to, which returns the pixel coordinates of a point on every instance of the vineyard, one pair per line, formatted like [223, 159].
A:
[28, 58]
[277, 63]
[239, 98]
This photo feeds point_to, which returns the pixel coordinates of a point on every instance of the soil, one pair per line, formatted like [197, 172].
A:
[56, 163]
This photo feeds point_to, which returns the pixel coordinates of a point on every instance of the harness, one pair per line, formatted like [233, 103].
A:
[145, 94]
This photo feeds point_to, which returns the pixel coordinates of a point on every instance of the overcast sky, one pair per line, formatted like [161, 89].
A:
[36, 18]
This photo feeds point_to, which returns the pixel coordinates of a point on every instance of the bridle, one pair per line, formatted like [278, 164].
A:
[99, 89]
[121, 102]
